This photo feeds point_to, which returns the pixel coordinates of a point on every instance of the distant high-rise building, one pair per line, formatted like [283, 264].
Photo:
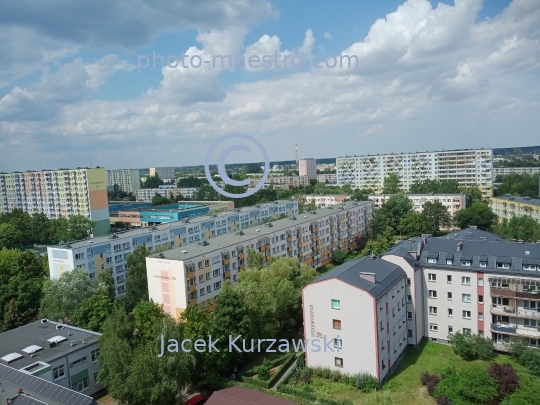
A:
[469, 167]
[58, 193]
[129, 180]
[164, 173]
[308, 167]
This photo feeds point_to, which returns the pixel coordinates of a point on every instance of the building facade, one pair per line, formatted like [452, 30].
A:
[62, 354]
[308, 167]
[325, 200]
[194, 275]
[146, 194]
[501, 171]
[164, 173]
[509, 206]
[453, 202]
[469, 282]
[331, 178]
[467, 167]
[128, 180]
[58, 193]
[110, 252]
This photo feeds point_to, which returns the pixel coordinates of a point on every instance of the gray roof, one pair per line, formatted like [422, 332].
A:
[496, 251]
[259, 231]
[522, 200]
[26, 400]
[471, 234]
[36, 333]
[37, 387]
[386, 275]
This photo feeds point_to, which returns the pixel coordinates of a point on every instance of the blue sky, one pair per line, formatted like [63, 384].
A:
[432, 76]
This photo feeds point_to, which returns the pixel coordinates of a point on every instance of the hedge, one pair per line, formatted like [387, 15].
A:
[285, 361]
[310, 396]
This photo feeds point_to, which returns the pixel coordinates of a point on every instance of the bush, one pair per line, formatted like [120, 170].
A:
[426, 378]
[473, 385]
[431, 387]
[263, 371]
[301, 361]
[365, 382]
[472, 347]
[530, 358]
[443, 400]
[336, 376]
[506, 377]
[527, 393]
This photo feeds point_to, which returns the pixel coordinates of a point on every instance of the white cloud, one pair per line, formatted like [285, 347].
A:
[328, 36]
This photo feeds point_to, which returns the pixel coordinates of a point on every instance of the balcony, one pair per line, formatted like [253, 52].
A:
[192, 288]
[226, 261]
[514, 329]
[507, 292]
[193, 301]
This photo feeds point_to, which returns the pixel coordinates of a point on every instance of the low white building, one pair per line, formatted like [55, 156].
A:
[453, 202]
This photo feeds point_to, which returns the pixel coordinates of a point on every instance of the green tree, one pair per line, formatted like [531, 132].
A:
[438, 215]
[380, 244]
[160, 200]
[395, 208]
[10, 237]
[137, 283]
[254, 259]
[472, 195]
[391, 184]
[479, 214]
[93, 312]
[415, 224]
[41, 228]
[190, 182]
[339, 257]
[152, 182]
[519, 228]
[105, 277]
[147, 314]
[22, 222]
[472, 385]
[79, 227]
[435, 187]
[206, 193]
[472, 347]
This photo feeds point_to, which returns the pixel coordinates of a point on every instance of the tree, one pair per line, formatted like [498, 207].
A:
[472, 385]
[63, 297]
[147, 314]
[106, 278]
[10, 237]
[254, 259]
[152, 182]
[339, 256]
[191, 181]
[206, 193]
[415, 224]
[472, 195]
[518, 228]
[395, 208]
[472, 347]
[137, 283]
[160, 200]
[22, 222]
[435, 187]
[252, 168]
[93, 312]
[79, 227]
[360, 242]
[437, 214]
[41, 228]
[379, 245]
[506, 377]
[391, 184]
[479, 214]
[379, 223]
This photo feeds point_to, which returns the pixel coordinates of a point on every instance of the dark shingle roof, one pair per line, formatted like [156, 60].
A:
[244, 396]
[386, 275]
[35, 386]
[26, 400]
[471, 234]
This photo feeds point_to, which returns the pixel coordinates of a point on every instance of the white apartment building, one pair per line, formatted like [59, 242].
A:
[286, 181]
[453, 202]
[62, 354]
[469, 281]
[324, 200]
[111, 251]
[194, 275]
[164, 173]
[501, 171]
[128, 180]
[469, 167]
[327, 177]
[308, 167]
[146, 194]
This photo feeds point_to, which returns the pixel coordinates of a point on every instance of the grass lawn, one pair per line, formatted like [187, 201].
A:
[404, 385]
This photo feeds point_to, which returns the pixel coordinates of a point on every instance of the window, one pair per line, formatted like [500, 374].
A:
[432, 277]
[58, 372]
[480, 316]
[382, 327]
[81, 385]
[200, 265]
[382, 343]
[432, 294]
[450, 329]
[121, 288]
[201, 292]
[449, 261]
[503, 265]
[79, 256]
[480, 299]
[531, 323]
[216, 272]
[466, 297]
[433, 310]
[208, 276]
[393, 312]
[483, 264]
[409, 315]
[431, 260]
[529, 267]
[409, 333]
[95, 355]
[450, 312]
[336, 323]
[448, 279]
[449, 296]
[408, 281]
[335, 304]
[78, 362]
[466, 263]
[208, 288]
[409, 298]
[217, 285]
[383, 365]
[466, 280]
[466, 314]
[433, 327]
[466, 330]
[338, 362]
[338, 342]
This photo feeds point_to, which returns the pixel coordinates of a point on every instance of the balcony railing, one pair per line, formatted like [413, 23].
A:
[507, 292]
[514, 329]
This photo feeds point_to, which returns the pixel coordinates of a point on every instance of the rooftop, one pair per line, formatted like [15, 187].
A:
[522, 200]
[420, 195]
[228, 240]
[37, 387]
[414, 153]
[16, 345]
[386, 275]
[244, 396]
[177, 207]
[163, 227]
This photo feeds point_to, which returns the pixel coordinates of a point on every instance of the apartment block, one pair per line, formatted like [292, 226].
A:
[64, 355]
[128, 180]
[146, 194]
[194, 275]
[164, 173]
[470, 281]
[324, 200]
[468, 167]
[58, 193]
[501, 171]
[111, 251]
[511, 206]
[308, 167]
[331, 178]
[453, 202]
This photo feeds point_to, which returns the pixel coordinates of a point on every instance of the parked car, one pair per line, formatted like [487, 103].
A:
[197, 400]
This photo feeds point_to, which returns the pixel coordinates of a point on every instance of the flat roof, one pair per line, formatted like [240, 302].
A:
[419, 195]
[521, 200]
[162, 227]
[258, 231]
[180, 207]
[414, 153]
[38, 334]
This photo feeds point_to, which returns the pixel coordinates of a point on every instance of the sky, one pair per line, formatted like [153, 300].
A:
[79, 82]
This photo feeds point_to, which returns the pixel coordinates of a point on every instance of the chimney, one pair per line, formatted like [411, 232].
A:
[368, 277]
[459, 246]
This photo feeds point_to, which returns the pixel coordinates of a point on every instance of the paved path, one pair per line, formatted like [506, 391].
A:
[285, 374]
